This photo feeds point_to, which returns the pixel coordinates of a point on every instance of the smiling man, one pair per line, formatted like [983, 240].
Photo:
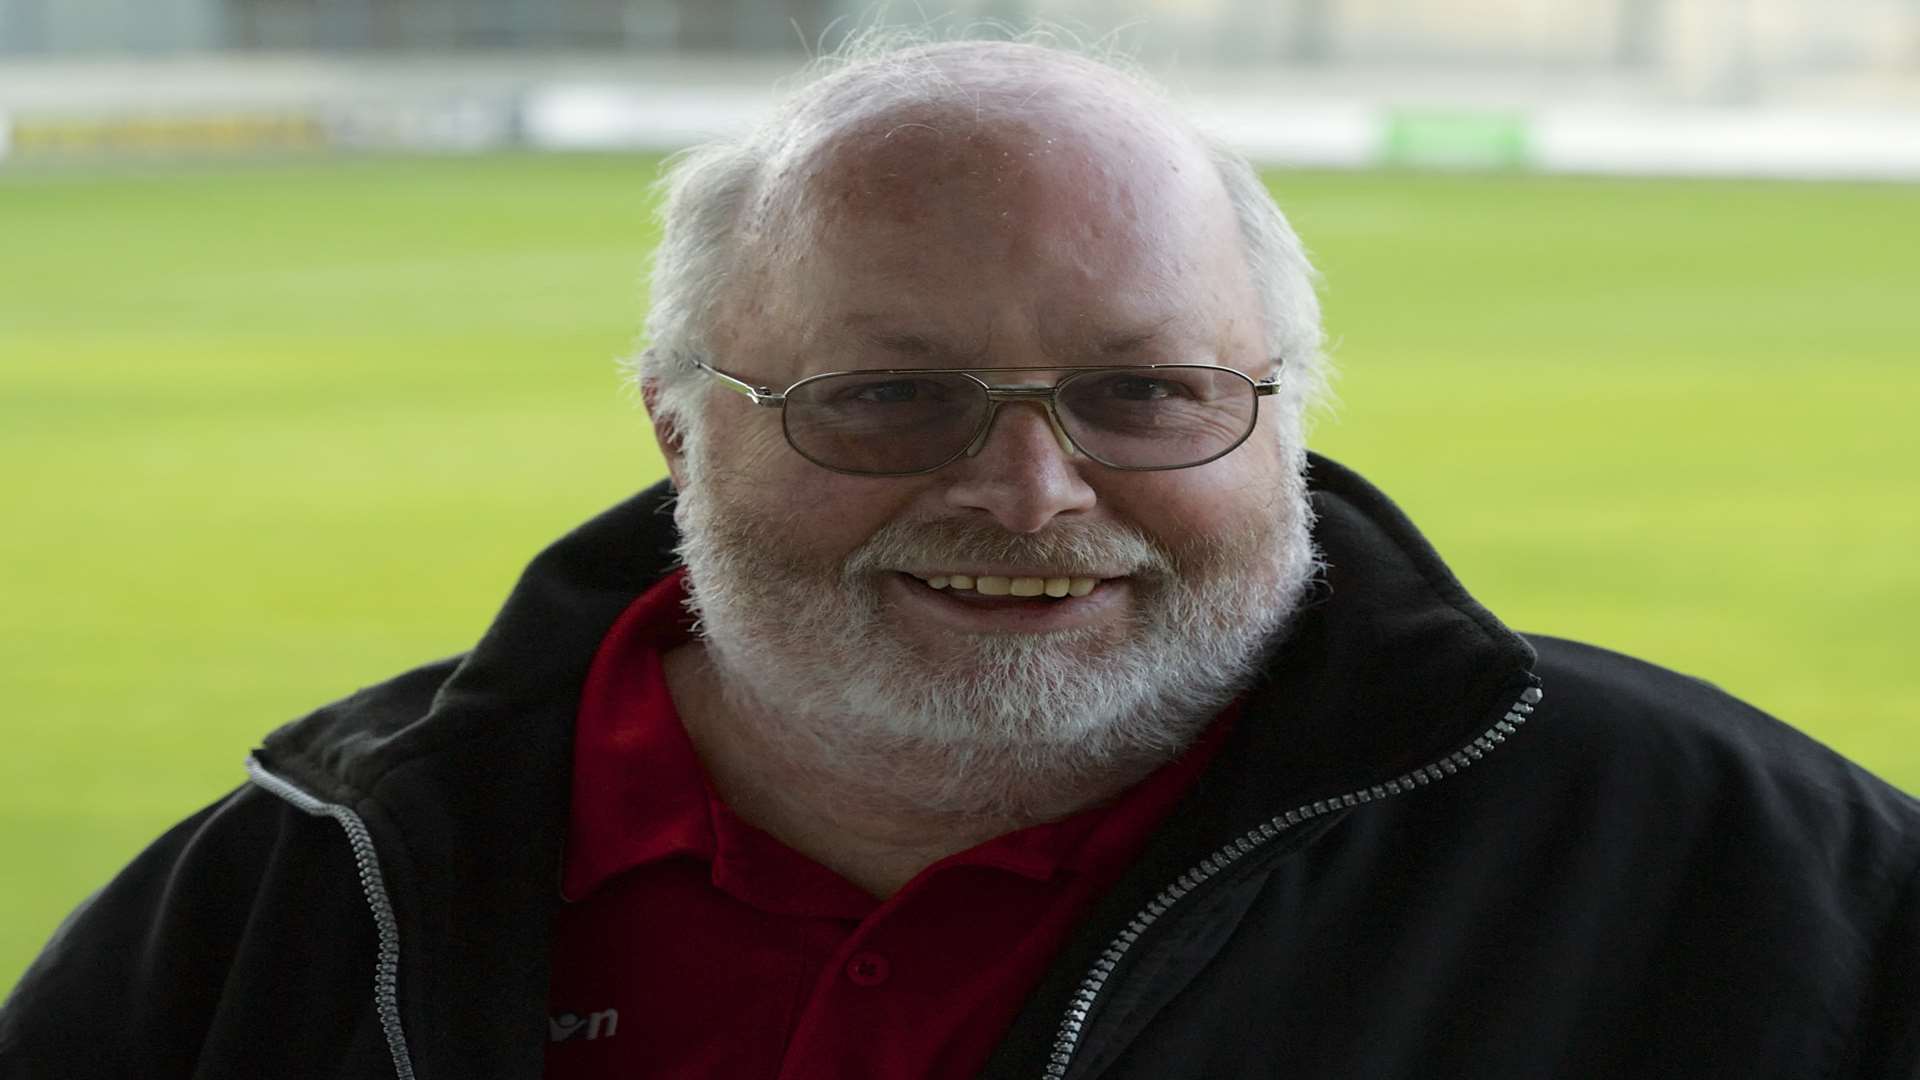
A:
[1018, 528]
[1010, 694]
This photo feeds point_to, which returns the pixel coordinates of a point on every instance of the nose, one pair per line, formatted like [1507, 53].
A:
[1022, 472]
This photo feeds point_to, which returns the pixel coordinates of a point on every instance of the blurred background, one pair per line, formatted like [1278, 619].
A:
[310, 313]
[1750, 87]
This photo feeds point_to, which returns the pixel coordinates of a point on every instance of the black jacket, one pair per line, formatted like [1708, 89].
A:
[1399, 866]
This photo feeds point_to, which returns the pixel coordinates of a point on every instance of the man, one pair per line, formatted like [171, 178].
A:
[1049, 711]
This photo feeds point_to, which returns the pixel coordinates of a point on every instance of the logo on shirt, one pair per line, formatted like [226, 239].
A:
[592, 1026]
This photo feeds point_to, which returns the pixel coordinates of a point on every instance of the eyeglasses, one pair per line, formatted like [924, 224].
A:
[905, 421]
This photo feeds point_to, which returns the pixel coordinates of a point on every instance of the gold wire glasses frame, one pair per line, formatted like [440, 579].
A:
[966, 442]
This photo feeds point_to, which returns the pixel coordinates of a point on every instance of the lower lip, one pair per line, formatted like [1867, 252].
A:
[971, 612]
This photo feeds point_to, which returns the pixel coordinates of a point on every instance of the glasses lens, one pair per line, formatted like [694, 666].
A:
[1164, 418]
[881, 423]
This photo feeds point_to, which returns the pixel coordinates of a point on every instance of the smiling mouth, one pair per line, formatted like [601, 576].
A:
[1054, 588]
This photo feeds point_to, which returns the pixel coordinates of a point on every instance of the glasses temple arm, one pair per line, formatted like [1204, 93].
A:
[759, 395]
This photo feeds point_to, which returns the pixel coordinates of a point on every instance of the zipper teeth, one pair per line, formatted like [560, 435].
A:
[1067, 1040]
[386, 974]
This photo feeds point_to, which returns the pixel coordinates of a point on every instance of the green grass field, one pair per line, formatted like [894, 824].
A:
[273, 431]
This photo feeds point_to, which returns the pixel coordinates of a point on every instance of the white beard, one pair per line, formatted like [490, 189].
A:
[1019, 727]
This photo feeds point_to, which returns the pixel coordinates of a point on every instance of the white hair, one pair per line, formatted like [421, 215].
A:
[708, 189]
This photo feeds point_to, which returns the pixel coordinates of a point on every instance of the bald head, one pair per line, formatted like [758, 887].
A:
[989, 119]
[1006, 166]
[981, 152]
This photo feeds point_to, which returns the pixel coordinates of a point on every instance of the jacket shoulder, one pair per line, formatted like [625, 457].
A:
[338, 749]
[1679, 731]
[1760, 830]
[173, 963]
[1691, 779]
[153, 973]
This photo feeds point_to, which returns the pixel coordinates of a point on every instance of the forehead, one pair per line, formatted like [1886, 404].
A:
[1087, 173]
[1076, 216]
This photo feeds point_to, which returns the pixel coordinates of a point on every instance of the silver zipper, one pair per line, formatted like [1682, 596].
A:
[386, 972]
[1067, 1040]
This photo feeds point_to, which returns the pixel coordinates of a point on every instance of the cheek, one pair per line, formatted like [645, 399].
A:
[747, 438]
[832, 513]
[823, 514]
[1221, 495]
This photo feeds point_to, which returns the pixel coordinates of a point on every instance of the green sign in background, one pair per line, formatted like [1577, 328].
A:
[1456, 139]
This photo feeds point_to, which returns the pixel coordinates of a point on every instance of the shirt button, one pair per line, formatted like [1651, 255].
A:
[868, 969]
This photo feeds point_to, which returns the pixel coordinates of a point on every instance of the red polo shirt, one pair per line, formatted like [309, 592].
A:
[694, 944]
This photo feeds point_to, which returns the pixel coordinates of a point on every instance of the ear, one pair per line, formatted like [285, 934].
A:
[665, 432]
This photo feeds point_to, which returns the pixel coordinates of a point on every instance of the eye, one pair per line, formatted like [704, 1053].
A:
[1141, 388]
[881, 391]
[891, 392]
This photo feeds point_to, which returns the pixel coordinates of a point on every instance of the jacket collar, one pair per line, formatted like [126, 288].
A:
[1390, 667]
[463, 777]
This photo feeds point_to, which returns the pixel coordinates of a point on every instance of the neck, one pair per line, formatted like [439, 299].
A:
[875, 815]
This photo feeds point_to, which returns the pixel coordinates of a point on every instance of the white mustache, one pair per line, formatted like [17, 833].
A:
[1086, 549]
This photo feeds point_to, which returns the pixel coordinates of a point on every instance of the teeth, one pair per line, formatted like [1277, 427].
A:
[994, 585]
